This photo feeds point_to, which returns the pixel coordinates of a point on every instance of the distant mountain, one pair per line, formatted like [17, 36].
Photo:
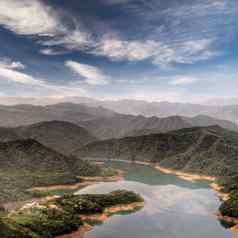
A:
[222, 101]
[12, 116]
[61, 136]
[128, 125]
[204, 150]
[165, 109]
[221, 108]
[202, 120]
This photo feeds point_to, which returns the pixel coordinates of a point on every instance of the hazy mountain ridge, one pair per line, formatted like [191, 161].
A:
[222, 111]
[18, 115]
[226, 109]
[129, 125]
[165, 109]
[61, 136]
[101, 123]
[205, 150]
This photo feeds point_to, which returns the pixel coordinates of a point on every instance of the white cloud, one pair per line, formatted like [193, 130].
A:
[9, 71]
[157, 51]
[16, 76]
[10, 74]
[50, 51]
[36, 18]
[117, 49]
[183, 80]
[76, 39]
[92, 74]
[184, 47]
[28, 17]
[7, 63]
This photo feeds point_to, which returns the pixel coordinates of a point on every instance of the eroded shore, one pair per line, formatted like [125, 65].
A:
[67, 216]
[81, 232]
[192, 178]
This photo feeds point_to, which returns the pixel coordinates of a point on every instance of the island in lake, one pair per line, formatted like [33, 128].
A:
[66, 214]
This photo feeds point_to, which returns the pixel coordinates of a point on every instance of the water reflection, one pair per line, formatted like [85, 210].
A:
[174, 208]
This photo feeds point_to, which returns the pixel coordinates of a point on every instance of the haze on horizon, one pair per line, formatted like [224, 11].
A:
[153, 50]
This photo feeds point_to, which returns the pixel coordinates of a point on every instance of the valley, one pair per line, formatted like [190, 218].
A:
[51, 159]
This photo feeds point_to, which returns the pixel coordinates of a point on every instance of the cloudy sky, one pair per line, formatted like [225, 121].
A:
[177, 50]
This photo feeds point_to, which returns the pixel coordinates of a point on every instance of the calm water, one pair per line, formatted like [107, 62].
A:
[174, 208]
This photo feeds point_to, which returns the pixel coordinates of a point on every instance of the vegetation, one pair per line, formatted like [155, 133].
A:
[96, 203]
[27, 163]
[228, 184]
[209, 150]
[60, 216]
[230, 207]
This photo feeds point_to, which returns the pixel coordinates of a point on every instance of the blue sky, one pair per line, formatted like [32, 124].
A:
[112, 49]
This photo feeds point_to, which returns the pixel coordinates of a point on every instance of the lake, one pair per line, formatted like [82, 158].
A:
[174, 208]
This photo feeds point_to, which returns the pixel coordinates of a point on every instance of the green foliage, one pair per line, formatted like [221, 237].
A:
[45, 223]
[209, 150]
[230, 207]
[26, 163]
[60, 216]
[95, 203]
[229, 183]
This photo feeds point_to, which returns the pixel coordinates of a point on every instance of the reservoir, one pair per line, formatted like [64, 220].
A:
[174, 208]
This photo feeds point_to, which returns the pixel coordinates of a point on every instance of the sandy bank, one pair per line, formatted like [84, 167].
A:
[87, 180]
[218, 188]
[102, 178]
[60, 187]
[233, 220]
[80, 233]
[183, 175]
[112, 210]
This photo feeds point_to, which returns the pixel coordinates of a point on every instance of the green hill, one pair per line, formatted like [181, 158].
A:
[27, 163]
[205, 150]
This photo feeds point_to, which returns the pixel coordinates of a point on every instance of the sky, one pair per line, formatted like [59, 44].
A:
[154, 50]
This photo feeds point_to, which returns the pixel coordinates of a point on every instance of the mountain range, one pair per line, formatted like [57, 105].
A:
[221, 108]
[99, 122]
[12, 116]
[128, 125]
[165, 109]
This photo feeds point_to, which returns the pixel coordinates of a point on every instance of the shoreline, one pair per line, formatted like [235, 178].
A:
[81, 232]
[59, 187]
[228, 219]
[216, 187]
[183, 175]
[68, 220]
[192, 178]
[87, 181]
[112, 211]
